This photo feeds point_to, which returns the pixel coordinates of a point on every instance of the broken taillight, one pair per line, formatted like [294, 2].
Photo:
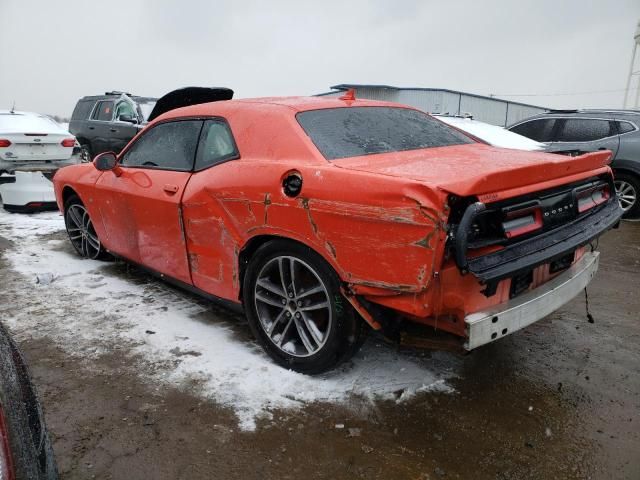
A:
[592, 196]
[522, 221]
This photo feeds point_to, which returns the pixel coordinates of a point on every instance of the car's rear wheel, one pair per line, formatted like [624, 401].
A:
[85, 153]
[628, 190]
[80, 230]
[296, 311]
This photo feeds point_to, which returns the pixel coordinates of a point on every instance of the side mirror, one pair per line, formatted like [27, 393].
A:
[125, 117]
[106, 161]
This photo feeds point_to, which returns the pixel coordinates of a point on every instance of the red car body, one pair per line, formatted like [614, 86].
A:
[383, 222]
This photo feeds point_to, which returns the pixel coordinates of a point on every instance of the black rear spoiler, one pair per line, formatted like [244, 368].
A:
[187, 96]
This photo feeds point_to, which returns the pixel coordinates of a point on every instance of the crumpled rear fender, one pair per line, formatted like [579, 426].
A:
[382, 235]
[384, 238]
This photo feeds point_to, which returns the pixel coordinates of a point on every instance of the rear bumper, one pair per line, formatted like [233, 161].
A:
[28, 192]
[503, 319]
[544, 248]
[37, 165]
[32, 207]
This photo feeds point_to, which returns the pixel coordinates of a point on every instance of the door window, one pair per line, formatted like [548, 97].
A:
[584, 130]
[539, 130]
[216, 145]
[125, 108]
[103, 111]
[167, 146]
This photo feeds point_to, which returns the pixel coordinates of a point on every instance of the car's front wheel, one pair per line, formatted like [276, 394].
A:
[80, 230]
[296, 311]
[628, 190]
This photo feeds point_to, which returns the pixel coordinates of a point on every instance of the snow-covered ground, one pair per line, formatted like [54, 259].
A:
[174, 339]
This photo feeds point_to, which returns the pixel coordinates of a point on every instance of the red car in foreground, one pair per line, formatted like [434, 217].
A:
[314, 214]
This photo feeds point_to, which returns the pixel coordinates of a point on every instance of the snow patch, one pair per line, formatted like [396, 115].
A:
[492, 134]
[88, 309]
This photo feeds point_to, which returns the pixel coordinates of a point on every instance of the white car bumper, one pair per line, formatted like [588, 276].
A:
[493, 324]
[31, 191]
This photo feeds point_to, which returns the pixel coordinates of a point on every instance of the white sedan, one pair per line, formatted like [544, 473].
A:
[32, 148]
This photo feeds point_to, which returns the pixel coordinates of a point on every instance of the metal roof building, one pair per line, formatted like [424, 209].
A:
[439, 100]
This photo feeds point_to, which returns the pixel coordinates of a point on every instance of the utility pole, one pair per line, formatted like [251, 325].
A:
[636, 42]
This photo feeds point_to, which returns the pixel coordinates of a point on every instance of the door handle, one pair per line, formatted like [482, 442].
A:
[113, 130]
[92, 128]
[170, 189]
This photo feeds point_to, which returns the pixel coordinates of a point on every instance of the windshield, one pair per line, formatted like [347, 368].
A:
[355, 131]
[146, 107]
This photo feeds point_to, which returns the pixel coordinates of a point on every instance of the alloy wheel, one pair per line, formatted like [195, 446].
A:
[293, 306]
[81, 232]
[627, 195]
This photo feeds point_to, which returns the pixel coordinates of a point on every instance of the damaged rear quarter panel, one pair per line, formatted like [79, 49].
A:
[380, 234]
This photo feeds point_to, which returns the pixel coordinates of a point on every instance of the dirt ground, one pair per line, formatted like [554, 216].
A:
[560, 399]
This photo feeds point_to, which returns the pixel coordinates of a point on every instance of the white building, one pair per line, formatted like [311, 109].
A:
[439, 100]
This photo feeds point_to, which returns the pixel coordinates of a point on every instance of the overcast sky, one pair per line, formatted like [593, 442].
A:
[53, 52]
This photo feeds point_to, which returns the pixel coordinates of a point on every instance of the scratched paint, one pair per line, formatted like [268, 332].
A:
[380, 220]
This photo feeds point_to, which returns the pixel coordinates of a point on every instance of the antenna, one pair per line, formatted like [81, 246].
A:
[13, 107]
[636, 42]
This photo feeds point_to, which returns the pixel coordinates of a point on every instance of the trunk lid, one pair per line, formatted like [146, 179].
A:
[31, 137]
[476, 169]
[36, 146]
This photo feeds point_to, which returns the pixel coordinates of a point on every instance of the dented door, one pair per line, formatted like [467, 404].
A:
[143, 198]
[144, 218]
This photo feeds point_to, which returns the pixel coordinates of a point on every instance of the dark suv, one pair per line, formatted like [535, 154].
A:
[576, 131]
[106, 123]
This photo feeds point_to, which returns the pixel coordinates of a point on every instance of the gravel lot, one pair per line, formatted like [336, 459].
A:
[140, 380]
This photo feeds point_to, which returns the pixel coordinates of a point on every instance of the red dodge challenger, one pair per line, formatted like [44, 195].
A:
[323, 217]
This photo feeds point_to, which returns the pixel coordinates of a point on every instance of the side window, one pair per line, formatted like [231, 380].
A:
[539, 130]
[82, 110]
[216, 144]
[103, 111]
[625, 127]
[167, 146]
[125, 108]
[584, 130]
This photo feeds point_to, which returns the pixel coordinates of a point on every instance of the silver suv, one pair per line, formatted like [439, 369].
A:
[579, 131]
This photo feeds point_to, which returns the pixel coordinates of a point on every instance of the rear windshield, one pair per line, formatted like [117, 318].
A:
[27, 123]
[354, 131]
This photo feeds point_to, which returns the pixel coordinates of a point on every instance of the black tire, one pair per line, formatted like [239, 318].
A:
[29, 443]
[89, 245]
[632, 183]
[345, 330]
[85, 153]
